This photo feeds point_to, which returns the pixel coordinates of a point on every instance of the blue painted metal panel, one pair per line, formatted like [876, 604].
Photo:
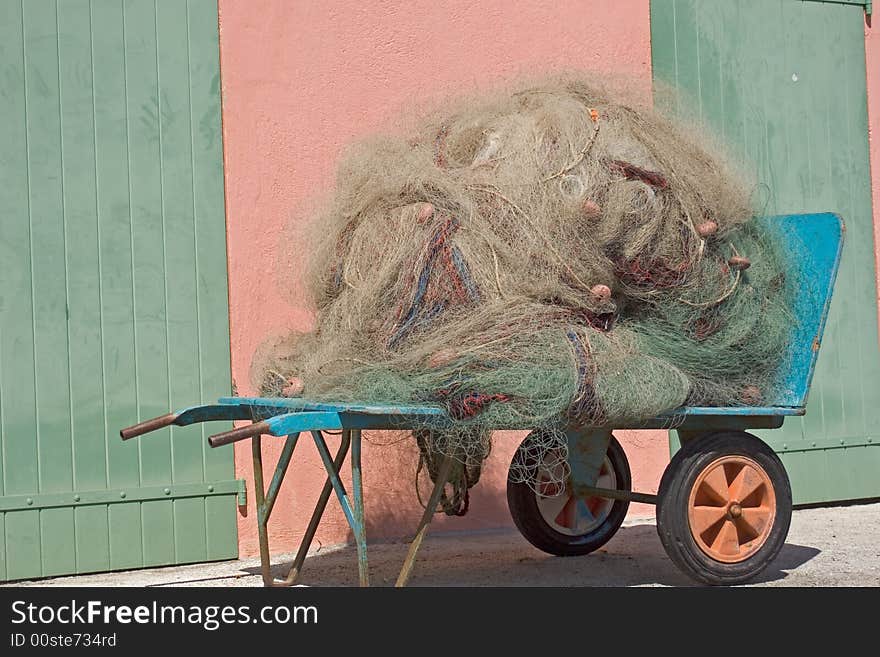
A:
[734, 410]
[813, 245]
[290, 423]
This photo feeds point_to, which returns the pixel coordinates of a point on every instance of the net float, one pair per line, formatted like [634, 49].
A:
[442, 357]
[601, 292]
[739, 263]
[426, 210]
[294, 387]
[707, 229]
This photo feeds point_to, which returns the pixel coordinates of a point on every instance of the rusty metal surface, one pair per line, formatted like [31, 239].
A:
[228, 437]
[147, 426]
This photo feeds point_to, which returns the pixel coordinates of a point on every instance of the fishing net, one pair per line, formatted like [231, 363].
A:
[540, 256]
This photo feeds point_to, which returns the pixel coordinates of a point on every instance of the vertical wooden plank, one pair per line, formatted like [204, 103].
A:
[157, 517]
[49, 228]
[210, 256]
[115, 225]
[83, 257]
[115, 217]
[58, 542]
[3, 575]
[83, 253]
[190, 531]
[807, 182]
[221, 528]
[149, 235]
[839, 422]
[23, 545]
[866, 419]
[867, 465]
[148, 264]
[687, 58]
[18, 413]
[126, 531]
[710, 72]
[210, 212]
[49, 264]
[182, 297]
[93, 539]
[663, 59]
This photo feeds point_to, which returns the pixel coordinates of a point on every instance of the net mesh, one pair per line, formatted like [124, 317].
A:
[540, 255]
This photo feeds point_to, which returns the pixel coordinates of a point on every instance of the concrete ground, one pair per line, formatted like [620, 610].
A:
[826, 547]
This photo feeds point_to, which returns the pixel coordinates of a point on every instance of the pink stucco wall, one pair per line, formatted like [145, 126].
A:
[300, 80]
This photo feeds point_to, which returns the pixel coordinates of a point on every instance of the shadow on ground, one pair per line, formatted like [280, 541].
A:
[634, 557]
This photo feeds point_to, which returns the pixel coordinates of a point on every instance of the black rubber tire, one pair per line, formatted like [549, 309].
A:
[673, 499]
[522, 502]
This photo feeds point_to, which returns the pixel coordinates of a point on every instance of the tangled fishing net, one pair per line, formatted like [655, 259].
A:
[535, 258]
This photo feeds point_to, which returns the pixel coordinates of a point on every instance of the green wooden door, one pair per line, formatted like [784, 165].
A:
[113, 302]
[783, 81]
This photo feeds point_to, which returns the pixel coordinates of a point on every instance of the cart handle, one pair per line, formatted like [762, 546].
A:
[148, 425]
[249, 431]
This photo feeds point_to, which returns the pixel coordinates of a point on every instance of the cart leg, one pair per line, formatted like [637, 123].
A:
[360, 529]
[357, 526]
[317, 514]
[265, 502]
[280, 472]
[260, 494]
[430, 508]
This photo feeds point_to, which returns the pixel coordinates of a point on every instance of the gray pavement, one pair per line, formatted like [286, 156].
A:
[826, 547]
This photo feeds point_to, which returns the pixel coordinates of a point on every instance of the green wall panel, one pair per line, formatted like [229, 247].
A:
[113, 288]
[783, 83]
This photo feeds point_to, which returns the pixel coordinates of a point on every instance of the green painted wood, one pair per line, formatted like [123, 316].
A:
[103, 497]
[211, 276]
[113, 285]
[57, 541]
[2, 546]
[125, 536]
[23, 558]
[92, 555]
[783, 83]
[18, 403]
[220, 528]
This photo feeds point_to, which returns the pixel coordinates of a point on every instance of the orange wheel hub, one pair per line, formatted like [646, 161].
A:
[731, 509]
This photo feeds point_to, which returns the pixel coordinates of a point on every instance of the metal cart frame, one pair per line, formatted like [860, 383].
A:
[814, 246]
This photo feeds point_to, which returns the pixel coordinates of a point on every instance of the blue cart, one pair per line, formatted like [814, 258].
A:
[724, 502]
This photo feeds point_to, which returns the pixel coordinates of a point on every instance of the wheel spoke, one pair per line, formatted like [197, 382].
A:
[727, 541]
[756, 519]
[583, 517]
[567, 516]
[714, 486]
[706, 517]
[553, 506]
[745, 484]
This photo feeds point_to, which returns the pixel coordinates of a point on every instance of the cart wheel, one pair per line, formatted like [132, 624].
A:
[724, 507]
[557, 522]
